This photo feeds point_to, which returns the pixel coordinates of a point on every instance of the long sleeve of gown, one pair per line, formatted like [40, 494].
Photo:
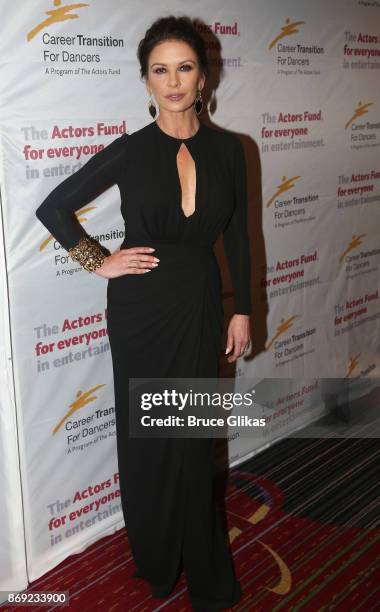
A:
[235, 237]
[100, 172]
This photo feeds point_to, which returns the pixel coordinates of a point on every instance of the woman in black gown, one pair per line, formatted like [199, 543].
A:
[182, 183]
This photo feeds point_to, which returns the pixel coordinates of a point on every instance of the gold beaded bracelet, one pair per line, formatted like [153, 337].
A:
[88, 253]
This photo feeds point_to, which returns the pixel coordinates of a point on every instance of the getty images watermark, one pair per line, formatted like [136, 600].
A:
[191, 399]
[206, 407]
[265, 408]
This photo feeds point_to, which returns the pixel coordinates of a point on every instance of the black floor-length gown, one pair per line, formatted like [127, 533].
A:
[168, 323]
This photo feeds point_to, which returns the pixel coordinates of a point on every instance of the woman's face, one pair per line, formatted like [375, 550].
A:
[173, 70]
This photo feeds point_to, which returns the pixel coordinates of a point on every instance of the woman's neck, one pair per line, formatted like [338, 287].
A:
[181, 126]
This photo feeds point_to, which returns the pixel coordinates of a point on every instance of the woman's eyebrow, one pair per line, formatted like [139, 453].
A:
[162, 63]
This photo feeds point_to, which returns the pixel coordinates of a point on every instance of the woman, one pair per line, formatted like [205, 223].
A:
[182, 183]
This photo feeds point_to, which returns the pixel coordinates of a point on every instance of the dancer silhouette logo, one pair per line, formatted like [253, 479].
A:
[284, 325]
[284, 186]
[355, 242]
[353, 362]
[359, 111]
[82, 400]
[56, 15]
[290, 28]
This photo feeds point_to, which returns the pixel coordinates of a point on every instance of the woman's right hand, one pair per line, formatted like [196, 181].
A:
[135, 260]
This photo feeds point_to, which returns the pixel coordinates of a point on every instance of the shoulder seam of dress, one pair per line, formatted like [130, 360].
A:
[142, 130]
[223, 132]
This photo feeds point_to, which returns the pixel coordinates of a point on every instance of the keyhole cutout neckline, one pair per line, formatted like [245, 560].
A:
[187, 179]
[174, 138]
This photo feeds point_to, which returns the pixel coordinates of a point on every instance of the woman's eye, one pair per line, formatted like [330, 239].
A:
[183, 68]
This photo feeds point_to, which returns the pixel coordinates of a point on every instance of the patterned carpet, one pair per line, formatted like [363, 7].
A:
[303, 519]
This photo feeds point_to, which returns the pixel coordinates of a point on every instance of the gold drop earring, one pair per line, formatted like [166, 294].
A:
[198, 102]
[152, 107]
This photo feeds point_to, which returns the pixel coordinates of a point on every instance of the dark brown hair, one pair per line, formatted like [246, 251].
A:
[172, 28]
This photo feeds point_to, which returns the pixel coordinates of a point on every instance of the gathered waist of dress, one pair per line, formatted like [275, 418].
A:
[173, 248]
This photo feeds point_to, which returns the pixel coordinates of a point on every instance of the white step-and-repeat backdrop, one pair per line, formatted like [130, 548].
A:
[12, 538]
[299, 82]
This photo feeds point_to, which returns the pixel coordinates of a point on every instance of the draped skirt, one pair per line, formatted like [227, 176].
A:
[168, 323]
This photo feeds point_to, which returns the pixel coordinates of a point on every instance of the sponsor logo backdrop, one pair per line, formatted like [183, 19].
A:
[299, 82]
